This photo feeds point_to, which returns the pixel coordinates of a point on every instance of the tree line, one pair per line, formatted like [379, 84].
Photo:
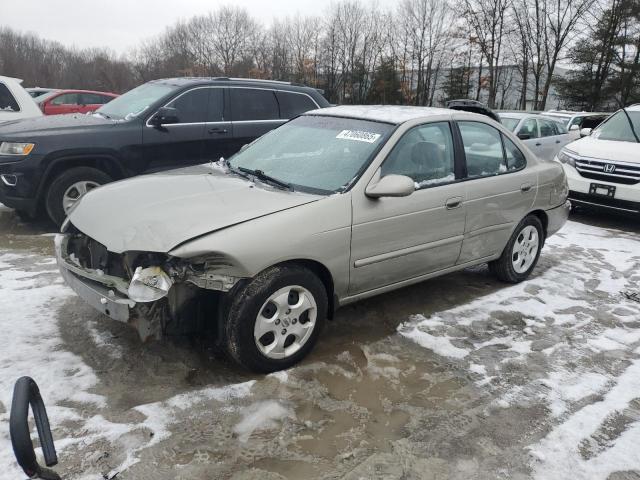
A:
[506, 53]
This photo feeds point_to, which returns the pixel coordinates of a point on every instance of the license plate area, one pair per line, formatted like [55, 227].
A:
[602, 190]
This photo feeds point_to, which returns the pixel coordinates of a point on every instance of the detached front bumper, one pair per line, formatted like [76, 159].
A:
[102, 292]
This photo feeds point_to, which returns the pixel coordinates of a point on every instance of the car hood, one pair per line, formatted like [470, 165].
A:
[155, 213]
[49, 124]
[606, 149]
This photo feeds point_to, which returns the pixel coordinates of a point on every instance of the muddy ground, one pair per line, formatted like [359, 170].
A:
[460, 377]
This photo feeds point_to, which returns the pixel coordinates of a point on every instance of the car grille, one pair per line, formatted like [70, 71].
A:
[614, 172]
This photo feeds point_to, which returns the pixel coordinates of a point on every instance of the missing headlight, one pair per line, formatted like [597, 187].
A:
[149, 284]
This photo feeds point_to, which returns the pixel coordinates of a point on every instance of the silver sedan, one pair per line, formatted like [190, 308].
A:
[337, 205]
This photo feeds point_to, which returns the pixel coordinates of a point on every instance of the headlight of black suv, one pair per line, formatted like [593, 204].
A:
[16, 148]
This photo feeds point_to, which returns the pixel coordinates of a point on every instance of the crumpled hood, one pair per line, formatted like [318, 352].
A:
[606, 149]
[155, 213]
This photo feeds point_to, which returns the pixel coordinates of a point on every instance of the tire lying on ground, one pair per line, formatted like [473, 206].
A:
[68, 187]
[521, 254]
[274, 320]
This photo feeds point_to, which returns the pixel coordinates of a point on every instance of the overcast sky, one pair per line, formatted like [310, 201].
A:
[121, 24]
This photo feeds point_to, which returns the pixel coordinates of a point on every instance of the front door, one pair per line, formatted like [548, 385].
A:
[397, 239]
[182, 143]
[499, 190]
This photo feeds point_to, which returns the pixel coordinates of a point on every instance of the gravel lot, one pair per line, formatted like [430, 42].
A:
[456, 378]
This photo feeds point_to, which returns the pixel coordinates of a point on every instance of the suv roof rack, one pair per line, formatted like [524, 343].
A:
[237, 79]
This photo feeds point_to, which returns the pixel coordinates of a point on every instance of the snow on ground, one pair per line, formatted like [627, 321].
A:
[572, 312]
[30, 293]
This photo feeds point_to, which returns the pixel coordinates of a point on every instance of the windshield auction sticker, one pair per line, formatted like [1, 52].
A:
[358, 135]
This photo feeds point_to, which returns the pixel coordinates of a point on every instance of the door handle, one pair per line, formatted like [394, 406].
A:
[217, 130]
[538, 144]
[557, 141]
[453, 202]
[525, 187]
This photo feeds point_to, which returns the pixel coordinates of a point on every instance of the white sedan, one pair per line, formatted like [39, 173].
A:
[544, 137]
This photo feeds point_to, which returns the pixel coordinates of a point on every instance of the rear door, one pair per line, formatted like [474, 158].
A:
[63, 103]
[254, 112]
[554, 137]
[499, 189]
[89, 102]
[178, 144]
[397, 239]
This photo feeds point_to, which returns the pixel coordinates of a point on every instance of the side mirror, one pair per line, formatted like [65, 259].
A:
[391, 186]
[164, 116]
[524, 136]
[585, 132]
[574, 127]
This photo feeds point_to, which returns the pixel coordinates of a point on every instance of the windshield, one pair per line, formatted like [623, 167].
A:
[510, 123]
[135, 101]
[618, 127]
[316, 153]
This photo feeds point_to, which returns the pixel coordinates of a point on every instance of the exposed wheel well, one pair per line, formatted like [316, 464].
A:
[325, 276]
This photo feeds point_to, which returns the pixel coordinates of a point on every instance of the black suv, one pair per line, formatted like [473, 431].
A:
[47, 163]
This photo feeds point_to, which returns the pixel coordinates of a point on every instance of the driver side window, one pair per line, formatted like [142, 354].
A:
[191, 107]
[425, 154]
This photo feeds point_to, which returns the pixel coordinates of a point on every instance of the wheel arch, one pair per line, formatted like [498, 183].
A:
[104, 162]
[323, 274]
[544, 219]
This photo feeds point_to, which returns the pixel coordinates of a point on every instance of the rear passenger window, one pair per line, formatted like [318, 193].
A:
[547, 128]
[191, 107]
[66, 99]
[515, 158]
[424, 153]
[90, 99]
[482, 148]
[253, 104]
[7, 102]
[293, 104]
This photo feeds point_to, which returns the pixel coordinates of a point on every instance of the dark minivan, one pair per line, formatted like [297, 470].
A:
[47, 163]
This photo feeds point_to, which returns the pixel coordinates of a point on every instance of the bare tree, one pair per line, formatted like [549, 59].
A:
[488, 19]
[425, 28]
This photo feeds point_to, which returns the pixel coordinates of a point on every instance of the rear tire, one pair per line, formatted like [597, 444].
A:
[61, 191]
[289, 304]
[521, 254]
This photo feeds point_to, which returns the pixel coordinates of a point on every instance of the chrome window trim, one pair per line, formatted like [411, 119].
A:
[273, 90]
[174, 99]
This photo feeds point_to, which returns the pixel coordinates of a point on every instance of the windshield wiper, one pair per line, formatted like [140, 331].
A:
[633, 130]
[266, 178]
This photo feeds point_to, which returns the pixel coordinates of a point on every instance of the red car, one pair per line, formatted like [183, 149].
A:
[73, 101]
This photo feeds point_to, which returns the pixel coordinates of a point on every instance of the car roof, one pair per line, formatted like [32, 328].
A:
[633, 108]
[517, 114]
[253, 82]
[394, 114]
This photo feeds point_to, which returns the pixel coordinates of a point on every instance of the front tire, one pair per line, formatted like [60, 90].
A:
[274, 320]
[68, 187]
[521, 254]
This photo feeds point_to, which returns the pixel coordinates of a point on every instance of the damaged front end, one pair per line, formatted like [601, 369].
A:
[154, 292]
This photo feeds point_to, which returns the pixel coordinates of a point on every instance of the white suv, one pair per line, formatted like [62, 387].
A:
[603, 169]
